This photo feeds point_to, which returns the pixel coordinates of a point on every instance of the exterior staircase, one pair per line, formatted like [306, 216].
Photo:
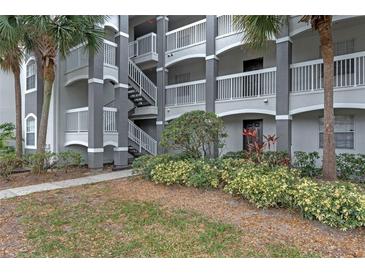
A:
[141, 90]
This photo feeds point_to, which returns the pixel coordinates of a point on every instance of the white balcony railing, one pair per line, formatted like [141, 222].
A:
[79, 56]
[110, 49]
[349, 71]
[247, 84]
[185, 93]
[77, 119]
[225, 25]
[143, 45]
[109, 119]
[185, 36]
[77, 122]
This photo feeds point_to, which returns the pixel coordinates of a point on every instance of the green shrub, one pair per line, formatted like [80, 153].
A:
[271, 158]
[236, 155]
[8, 163]
[67, 159]
[263, 186]
[194, 133]
[41, 162]
[276, 158]
[351, 167]
[335, 204]
[203, 174]
[306, 163]
[6, 134]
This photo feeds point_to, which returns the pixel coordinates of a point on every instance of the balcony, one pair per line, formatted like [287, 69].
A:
[77, 63]
[186, 42]
[249, 92]
[184, 97]
[228, 36]
[77, 130]
[348, 83]
[143, 50]
[189, 41]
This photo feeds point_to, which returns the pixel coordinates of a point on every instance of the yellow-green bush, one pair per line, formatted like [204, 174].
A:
[171, 172]
[262, 186]
[196, 173]
[335, 204]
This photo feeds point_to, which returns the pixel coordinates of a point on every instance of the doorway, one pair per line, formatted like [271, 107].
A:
[255, 125]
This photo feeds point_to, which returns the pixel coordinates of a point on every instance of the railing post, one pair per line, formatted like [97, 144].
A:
[231, 80]
[355, 71]
[175, 96]
[78, 122]
[140, 141]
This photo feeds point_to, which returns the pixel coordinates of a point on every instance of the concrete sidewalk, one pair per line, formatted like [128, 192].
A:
[25, 190]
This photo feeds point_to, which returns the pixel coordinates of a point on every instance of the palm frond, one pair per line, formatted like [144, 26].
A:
[258, 29]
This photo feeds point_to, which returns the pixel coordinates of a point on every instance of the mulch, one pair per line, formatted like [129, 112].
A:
[26, 178]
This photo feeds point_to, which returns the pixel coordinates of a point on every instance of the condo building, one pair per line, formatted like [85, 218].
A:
[112, 105]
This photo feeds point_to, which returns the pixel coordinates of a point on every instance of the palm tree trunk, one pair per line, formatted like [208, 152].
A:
[329, 154]
[18, 115]
[48, 79]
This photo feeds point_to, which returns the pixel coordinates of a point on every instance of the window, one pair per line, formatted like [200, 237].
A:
[182, 78]
[30, 131]
[341, 47]
[31, 76]
[343, 130]
[344, 47]
[253, 64]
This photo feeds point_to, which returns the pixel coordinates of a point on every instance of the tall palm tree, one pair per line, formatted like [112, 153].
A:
[51, 35]
[258, 29]
[11, 58]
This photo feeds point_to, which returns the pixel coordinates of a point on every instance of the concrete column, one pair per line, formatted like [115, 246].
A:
[283, 79]
[162, 28]
[121, 94]
[211, 67]
[95, 97]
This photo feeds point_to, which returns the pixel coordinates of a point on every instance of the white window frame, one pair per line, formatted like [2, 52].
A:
[31, 115]
[334, 132]
[26, 76]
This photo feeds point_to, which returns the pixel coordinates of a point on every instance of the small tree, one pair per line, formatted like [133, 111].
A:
[6, 134]
[195, 133]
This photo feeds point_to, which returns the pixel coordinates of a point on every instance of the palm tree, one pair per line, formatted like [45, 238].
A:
[51, 35]
[259, 29]
[11, 58]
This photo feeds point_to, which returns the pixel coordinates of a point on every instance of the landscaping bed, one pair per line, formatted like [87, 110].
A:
[137, 218]
[265, 184]
[27, 178]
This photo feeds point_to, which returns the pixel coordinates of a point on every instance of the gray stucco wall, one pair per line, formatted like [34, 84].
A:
[7, 98]
[305, 134]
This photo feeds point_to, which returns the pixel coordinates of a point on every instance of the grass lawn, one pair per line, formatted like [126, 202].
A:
[133, 229]
[140, 219]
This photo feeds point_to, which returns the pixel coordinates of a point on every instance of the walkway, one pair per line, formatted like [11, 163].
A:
[25, 190]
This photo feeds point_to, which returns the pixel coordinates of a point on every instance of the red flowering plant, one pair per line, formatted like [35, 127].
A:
[256, 148]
